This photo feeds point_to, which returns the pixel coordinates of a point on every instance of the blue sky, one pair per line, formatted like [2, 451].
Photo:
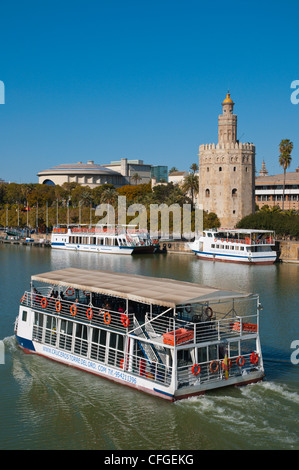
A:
[100, 80]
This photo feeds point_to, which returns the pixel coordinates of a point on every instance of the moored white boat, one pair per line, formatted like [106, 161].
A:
[236, 246]
[113, 239]
[168, 338]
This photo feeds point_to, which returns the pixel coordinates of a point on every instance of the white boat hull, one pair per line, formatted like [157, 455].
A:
[115, 250]
[126, 378]
[236, 258]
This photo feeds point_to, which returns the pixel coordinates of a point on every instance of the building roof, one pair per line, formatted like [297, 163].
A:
[78, 168]
[151, 290]
[291, 177]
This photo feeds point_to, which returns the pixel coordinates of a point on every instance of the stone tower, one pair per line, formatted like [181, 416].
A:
[263, 170]
[227, 172]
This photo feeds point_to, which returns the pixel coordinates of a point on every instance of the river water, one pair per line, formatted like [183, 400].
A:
[46, 405]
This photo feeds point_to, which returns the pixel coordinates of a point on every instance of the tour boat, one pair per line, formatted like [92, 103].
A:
[113, 239]
[168, 338]
[237, 246]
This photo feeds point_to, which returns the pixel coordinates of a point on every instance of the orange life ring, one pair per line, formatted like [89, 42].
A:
[209, 312]
[73, 310]
[215, 240]
[44, 302]
[195, 369]
[71, 290]
[229, 364]
[212, 368]
[237, 241]
[89, 313]
[125, 320]
[222, 239]
[242, 241]
[57, 306]
[254, 358]
[240, 361]
[107, 318]
[23, 298]
[227, 240]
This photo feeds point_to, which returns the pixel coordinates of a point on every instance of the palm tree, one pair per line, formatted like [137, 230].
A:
[194, 167]
[172, 170]
[285, 149]
[191, 184]
[109, 196]
[136, 178]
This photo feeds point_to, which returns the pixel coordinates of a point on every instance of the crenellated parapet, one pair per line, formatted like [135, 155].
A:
[228, 146]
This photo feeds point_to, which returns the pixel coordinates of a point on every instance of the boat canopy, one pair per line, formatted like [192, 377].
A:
[151, 290]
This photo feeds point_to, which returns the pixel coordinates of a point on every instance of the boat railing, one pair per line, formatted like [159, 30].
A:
[163, 329]
[247, 240]
[80, 310]
[214, 370]
[138, 365]
[175, 332]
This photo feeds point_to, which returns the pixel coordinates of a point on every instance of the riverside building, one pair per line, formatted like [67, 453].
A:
[269, 189]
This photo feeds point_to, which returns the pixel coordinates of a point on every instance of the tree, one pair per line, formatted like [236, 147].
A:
[136, 177]
[172, 170]
[191, 184]
[194, 167]
[285, 149]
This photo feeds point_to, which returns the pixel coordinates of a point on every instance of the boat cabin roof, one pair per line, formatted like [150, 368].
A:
[152, 290]
[240, 230]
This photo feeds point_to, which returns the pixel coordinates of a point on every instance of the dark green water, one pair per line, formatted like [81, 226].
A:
[45, 405]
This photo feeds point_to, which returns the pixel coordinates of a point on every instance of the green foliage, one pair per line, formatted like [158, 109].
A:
[284, 223]
[45, 202]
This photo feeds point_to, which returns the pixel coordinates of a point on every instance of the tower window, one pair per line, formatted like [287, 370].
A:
[235, 168]
[234, 192]
[220, 168]
[207, 193]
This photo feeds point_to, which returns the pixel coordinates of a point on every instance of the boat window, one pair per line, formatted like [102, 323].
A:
[38, 319]
[116, 241]
[115, 349]
[50, 335]
[65, 336]
[210, 235]
[81, 344]
[242, 248]
[213, 245]
[98, 345]
[24, 315]
[232, 247]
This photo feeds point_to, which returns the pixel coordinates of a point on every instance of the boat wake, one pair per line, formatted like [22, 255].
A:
[266, 413]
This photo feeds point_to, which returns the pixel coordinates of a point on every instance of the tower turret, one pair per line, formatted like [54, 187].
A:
[227, 122]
